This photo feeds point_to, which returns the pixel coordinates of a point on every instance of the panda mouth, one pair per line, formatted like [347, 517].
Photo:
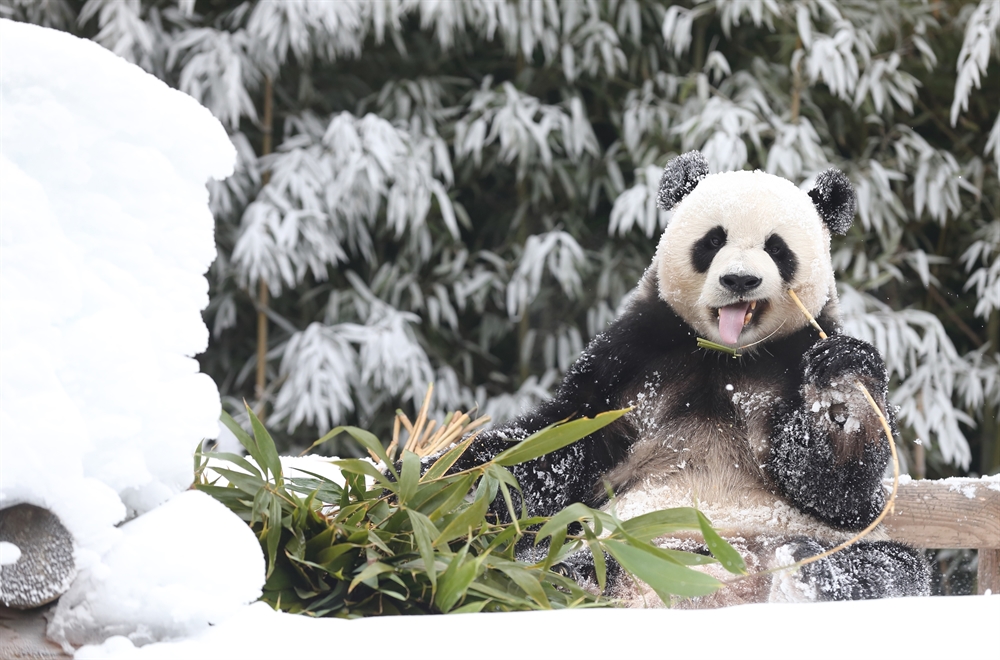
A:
[734, 318]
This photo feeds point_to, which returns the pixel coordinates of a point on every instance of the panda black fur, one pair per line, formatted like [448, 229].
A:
[778, 447]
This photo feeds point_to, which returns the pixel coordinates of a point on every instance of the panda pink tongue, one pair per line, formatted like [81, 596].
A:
[731, 321]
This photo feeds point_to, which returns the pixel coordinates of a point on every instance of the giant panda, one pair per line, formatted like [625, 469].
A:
[777, 446]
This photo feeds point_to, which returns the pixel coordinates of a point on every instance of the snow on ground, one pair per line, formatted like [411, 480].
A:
[105, 239]
[892, 628]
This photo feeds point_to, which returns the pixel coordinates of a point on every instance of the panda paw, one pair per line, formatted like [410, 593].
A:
[863, 571]
[843, 358]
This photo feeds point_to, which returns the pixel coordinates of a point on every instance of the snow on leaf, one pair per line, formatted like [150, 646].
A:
[982, 33]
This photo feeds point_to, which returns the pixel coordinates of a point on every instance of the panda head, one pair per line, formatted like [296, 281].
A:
[738, 241]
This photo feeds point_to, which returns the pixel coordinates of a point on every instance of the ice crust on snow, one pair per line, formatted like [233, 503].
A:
[105, 239]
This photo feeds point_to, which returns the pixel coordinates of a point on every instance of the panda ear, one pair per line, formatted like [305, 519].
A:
[680, 177]
[833, 196]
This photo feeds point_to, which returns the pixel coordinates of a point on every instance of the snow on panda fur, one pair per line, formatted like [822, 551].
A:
[777, 447]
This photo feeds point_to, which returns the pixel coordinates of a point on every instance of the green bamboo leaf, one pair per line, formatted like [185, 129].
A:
[471, 518]
[359, 466]
[273, 532]
[449, 458]
[424, 532]
[600, 565]
[665, 577]
[471, 608]
[330, 553]
[428, 494]
[529, 583]
[449, 498]
[506, 480]
[409, 476]
[249, 484]
[267, 453]
[555, 437]
[725, 553]
[236, 459]
[370, 573]
[248, 442]
[654, 524]
[573, 513]
[455, 580]
[366, 439]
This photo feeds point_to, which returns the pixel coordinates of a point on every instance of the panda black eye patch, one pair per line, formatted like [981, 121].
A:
[783, 258]
[706, 247]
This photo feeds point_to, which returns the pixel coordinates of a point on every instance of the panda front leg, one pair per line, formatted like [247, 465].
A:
[863, 571]
[828, 449]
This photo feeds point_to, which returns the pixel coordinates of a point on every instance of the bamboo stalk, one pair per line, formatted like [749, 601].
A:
[426, 436]
[795, 299]
[263, 295]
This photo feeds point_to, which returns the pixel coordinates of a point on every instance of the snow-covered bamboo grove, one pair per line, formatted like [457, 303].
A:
[462, 192]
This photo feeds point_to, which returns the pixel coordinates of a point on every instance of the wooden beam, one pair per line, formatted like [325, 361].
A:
[988, 576]
[947, 513]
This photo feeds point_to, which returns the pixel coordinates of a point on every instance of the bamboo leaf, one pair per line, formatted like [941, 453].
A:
[448, 459]
[555, 437]
[248, 442]
[267, 453]
[725, 553]
[665, 577]
[449, 498]
[573, 513]
[654, 524]
[471, 518]
[366, 439]
[237, 459]
[273, 531]
[455, 580]
[360, 466]
[424, 532]
[249, 484]
[370, 573]
[409, 476]
[528, 582]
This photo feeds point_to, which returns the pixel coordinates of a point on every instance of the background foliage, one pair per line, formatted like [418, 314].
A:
[462, 191]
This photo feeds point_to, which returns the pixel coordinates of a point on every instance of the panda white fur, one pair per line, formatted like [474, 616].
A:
[778, 447]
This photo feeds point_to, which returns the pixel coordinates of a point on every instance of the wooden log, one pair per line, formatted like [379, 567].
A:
[947, 513]
[989, 571]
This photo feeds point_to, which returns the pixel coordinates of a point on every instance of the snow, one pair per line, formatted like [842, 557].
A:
[105, 240]
[184, 565]
[9, 553]
[882, 628]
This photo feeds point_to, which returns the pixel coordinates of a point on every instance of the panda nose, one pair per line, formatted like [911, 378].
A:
[740, 283]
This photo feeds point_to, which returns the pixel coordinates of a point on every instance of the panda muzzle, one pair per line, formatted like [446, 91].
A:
[732, 319]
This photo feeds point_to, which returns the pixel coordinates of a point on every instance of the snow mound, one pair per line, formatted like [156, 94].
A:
[105, 239]
[184, 565]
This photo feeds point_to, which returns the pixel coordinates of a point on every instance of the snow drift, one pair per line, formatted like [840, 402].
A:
[105, 240]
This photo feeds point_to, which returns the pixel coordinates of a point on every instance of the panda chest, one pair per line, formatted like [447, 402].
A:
[716, 423]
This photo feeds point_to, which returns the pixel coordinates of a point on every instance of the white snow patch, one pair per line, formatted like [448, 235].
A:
[771, 631]
[184, 565]
[9, 553]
